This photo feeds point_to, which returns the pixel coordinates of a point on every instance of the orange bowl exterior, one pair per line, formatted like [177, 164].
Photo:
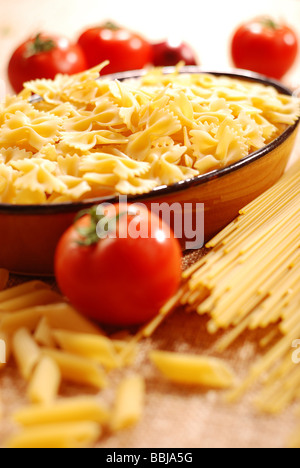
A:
[29, 234]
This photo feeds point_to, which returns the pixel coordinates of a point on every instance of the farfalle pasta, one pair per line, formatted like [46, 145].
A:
[83, 137]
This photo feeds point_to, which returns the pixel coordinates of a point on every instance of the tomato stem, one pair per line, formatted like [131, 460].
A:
[90, 235]
[269, 23]
[110, 25]
[39, 46]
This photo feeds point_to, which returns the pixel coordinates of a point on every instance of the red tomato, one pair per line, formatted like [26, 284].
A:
[168, 53]
[265, 47]
[124, 49]
[121, 281]
[44, 56]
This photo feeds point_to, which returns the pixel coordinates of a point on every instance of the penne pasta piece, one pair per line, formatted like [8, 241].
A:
[32, 299]
[96, 347]
[5, 349]
[77, 369]
[65, 435]
[193, 370]
[25, 351]
[64, 410]
[43, 334]
[22, 290]
[27, 318]
[64, 317]
[45, 381]
[129, 403]
[58, 315]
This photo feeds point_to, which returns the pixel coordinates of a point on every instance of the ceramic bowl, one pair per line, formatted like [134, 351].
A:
[29, 234]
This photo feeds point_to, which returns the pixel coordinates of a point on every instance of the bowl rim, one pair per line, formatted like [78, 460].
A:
[164, 190]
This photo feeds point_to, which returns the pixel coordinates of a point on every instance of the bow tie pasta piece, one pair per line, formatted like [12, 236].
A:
[131, 102]
[29, 133]
[136, 186]
[49, 90]
[38, 175]
[14, 154]
[183, 108]
[232, 146]
[83, 88]
[226, 144]
[126, 168]
[160, 123]
[251, 131]
[86, 141]
[167, 166]
[107, 181]
[76, 189]
[105, 114]
[65, 86]
[30, 197]
[125, 95]
[105, 163]
[69, 165]
[7, 186]
[207, 164]
[14, 104]
[107, 171]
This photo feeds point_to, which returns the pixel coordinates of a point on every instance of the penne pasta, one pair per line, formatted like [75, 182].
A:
[5, 348]
[77, 369]
[43, 334]
[45, 382]
[28, 318]
[129, 403]
[193, 370]
[96, 347]
[25, 351]
[64, 317]
[22, 290]
[66, 435]
[63, 410]
[32, 299]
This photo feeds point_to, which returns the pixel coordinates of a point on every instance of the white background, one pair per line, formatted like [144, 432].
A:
[206, 25]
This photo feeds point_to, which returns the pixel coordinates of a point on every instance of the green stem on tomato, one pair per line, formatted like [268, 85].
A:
[90, 235]
[39, 46]
[269, 23]
[110, 25]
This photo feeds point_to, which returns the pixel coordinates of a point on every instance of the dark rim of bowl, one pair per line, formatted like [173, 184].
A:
[163, 190]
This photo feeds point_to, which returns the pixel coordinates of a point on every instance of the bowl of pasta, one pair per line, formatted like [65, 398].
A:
[177, 136]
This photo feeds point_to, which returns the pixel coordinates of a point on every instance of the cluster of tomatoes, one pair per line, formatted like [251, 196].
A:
[260, 45]
[44, 56]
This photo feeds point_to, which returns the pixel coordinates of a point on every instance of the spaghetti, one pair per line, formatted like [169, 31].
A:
[249, 280]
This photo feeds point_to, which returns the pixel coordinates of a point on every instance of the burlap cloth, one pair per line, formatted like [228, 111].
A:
[175, 416]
